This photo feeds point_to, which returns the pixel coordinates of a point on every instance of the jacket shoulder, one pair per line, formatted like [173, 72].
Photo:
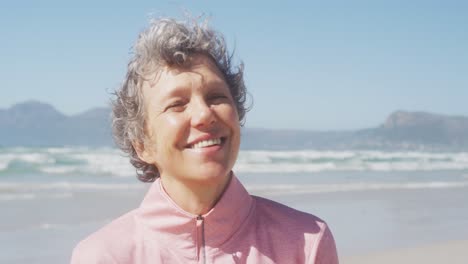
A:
[291, 225]
[113, 243]
[286, 215]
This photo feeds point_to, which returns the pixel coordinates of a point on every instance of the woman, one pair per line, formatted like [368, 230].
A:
[178, 116]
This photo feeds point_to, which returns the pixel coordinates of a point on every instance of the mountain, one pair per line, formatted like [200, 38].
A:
[424, 130]
[402, 130]
[34, 123]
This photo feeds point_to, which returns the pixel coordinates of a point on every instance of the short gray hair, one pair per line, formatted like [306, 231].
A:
[171, 43]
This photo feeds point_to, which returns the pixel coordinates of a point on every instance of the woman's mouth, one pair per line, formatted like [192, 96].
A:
[207, 143]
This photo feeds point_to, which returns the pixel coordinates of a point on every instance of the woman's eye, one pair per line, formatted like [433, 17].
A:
[219, 98]
[176, 106]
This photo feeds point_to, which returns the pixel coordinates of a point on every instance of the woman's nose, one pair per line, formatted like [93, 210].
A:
[202, 114]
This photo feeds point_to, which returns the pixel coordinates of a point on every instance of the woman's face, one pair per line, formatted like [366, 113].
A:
[192, 123]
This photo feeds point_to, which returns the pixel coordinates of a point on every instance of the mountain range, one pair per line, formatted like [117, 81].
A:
[34, 123]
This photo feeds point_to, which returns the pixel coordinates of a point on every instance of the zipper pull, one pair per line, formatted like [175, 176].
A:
[201, 238]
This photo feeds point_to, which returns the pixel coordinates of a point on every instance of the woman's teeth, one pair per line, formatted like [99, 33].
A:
[207, 143]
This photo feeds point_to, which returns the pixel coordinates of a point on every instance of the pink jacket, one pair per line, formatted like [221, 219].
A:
[240, 229]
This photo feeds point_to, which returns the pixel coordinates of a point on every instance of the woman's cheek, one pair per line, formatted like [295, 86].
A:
[173, 120]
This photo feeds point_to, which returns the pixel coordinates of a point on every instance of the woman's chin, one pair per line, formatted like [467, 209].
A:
[210, 176]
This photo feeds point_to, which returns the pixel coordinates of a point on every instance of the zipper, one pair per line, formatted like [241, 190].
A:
[201, 238]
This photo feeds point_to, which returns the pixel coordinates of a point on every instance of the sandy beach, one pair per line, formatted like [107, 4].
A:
[453, 252]
[369, 227]
[375, 216]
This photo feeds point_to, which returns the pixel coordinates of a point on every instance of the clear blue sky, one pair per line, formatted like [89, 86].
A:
[334, 65]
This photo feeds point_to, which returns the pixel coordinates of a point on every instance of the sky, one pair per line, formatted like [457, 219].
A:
[339, 65]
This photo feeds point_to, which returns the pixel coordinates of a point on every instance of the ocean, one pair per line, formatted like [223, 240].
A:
[373, 200]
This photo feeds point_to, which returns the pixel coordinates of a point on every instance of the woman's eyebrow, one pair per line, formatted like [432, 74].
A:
[176, 91]
[217, 83]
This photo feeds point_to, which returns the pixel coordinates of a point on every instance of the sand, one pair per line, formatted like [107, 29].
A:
[410, 226]
[453, 252]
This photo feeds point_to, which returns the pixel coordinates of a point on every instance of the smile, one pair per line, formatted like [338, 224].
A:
[207, 143]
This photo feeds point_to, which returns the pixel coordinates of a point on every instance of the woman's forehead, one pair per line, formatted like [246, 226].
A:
[202, 72]
[195, 63]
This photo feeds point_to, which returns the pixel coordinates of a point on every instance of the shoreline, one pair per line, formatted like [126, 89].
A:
[389, 226]
[453, 252]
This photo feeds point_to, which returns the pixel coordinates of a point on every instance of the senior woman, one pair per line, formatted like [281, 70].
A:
[178, 116]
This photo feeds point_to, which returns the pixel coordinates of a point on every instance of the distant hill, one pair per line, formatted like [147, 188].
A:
[425, 129]
[34, 123]
[402, 130]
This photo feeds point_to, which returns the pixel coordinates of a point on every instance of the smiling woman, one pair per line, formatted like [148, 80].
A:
[178, 116]
[193, 132]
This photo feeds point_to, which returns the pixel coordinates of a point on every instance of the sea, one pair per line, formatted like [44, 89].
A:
[52, 197]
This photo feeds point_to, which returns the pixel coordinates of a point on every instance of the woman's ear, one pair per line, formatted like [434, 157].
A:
[143, 153]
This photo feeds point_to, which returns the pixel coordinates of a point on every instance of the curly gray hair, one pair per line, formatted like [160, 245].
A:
[171, 43]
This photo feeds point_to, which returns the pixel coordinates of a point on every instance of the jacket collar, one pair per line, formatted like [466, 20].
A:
[163, 216]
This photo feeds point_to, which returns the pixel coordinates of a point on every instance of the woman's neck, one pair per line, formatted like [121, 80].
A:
[194, 197]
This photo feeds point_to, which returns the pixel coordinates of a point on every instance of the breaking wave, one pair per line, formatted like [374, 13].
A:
[111, 162]
[293, 189]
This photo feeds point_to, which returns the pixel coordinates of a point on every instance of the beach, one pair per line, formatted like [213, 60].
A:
[381, 225]
[386, 216]
[372, 227]
[453, 252]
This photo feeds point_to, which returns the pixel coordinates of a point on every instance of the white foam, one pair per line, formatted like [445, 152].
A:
[284, 167]
[57, 190]
[107, 186]
[69, 186]
[88, 161]
[32, 196]
[314, 161]
[17, 196]
[59, 169]
[36, 158]
[108, 162]
[304, 155]
[112, 162]
[3, 165]
[33, 158]
[291, 189]
[5, 159]
[48, 226]
[61, 195]
[66, 150]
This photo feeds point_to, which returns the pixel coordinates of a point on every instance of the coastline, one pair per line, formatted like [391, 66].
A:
[453, 252]
[376, 226]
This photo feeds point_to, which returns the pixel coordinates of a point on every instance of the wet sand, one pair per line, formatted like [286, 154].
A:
[411, 226]
[453, 252]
